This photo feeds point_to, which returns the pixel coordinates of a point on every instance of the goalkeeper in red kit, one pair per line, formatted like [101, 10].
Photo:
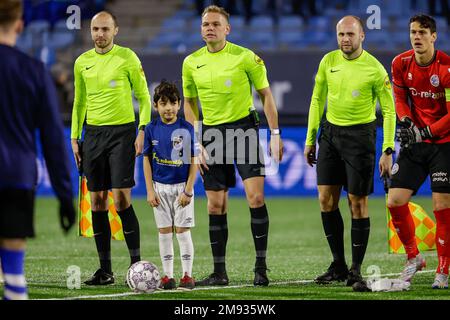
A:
[421, 79]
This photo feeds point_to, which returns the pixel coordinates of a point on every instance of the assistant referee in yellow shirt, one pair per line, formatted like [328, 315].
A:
[351, 80]
[221, 76]
[104, 78]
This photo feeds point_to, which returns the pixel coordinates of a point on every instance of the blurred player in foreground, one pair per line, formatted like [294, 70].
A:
[28, 101]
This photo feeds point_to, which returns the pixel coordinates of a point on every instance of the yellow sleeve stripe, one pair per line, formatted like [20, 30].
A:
[447, 94]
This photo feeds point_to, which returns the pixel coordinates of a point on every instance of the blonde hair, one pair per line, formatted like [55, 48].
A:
[216, 9]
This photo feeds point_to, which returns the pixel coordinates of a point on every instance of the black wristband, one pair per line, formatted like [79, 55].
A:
[188, 194]
[389, 151]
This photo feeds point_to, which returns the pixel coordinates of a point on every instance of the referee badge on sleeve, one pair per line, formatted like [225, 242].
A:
[387, 82]
[258, 60]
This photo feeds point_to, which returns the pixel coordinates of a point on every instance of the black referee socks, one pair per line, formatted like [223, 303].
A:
[102, 236]
[333, 225]
[130, 226]
[218, 235]
[360, 238]
[260, 231]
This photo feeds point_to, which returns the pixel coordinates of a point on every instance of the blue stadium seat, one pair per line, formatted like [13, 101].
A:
[184, 14]
[261, 23]
[364, 4]
[401, 23]
[237, 22]
[38, 27]
[443, 42]
[321, 23]
[268, 46]
[236, 36]
[193, 41]
[441, 25]
[421, 6]
[165, 40]
[60, 25]
[318, 38]
[259, 39]
[289, 38]
[395, 8]
[292, 40]
[61, 39]
[377, 39]
[174, 24]
[400, 38]
[290, 22]
[195, 24]
[335, 11]
[258, 7]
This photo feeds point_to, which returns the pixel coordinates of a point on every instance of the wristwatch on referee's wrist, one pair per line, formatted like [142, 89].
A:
[389, 151]
[274, 132]
[142, 127]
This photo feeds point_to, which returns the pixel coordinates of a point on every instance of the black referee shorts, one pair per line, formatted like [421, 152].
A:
[16, 213]
[230, 144]
[415, 163]
[347, 157]
[109, 156]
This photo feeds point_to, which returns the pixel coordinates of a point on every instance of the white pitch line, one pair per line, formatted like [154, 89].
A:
[275, 283]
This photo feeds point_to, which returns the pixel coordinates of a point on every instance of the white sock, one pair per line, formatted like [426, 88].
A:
[186, 251]
[166, 253]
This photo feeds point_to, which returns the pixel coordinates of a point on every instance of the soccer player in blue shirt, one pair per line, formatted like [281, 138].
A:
[27, 102]
[169, 177]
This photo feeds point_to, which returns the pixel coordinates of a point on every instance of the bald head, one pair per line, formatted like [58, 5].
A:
[105, 15]
[103, 30]
[350, 35]
[351, 21]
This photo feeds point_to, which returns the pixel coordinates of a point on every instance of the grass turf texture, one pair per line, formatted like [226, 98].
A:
[297, 252]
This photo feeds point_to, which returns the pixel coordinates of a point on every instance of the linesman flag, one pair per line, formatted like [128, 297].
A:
[85, 214]
[425, 230]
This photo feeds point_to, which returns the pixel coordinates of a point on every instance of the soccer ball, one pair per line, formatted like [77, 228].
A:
[143, 277]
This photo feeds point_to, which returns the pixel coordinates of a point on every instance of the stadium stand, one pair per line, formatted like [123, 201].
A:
[155, 26]
[170, 27]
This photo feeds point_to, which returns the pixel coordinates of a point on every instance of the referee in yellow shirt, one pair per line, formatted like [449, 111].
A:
[104, 78]
[220, 75]
[351, 80]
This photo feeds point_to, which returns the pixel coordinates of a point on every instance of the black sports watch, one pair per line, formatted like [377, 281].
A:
[389, 151]
[142, 127]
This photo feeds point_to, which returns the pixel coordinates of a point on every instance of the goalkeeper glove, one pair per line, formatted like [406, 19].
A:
[410, 134]
[66, 214]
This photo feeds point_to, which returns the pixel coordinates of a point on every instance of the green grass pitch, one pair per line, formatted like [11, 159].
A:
[297, 252]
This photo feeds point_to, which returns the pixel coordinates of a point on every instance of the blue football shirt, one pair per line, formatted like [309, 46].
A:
[170, 148]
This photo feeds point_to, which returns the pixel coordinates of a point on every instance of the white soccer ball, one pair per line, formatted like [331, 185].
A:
[143, 277]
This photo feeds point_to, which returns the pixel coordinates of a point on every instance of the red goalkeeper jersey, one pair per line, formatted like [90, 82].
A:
[422, 93]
